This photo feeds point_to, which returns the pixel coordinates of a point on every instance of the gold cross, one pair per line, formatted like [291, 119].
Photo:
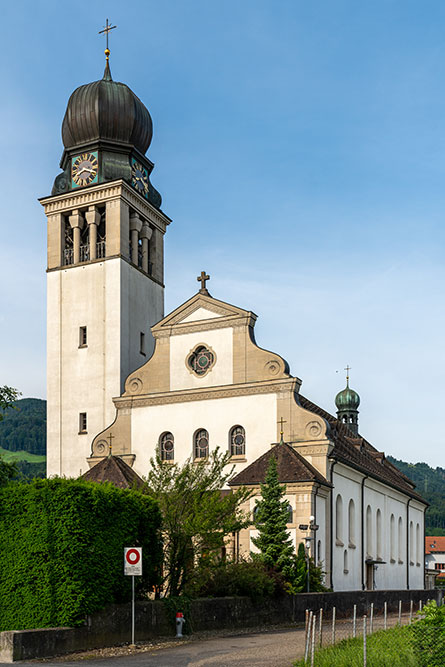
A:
[203, 278]
[347, 369]
[110, 438]
[108, 28]
[281, 422]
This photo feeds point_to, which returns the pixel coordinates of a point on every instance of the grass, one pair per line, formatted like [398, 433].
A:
[386, 648]
[10, 457]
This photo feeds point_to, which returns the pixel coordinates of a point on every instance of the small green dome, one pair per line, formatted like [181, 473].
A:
[348, 399]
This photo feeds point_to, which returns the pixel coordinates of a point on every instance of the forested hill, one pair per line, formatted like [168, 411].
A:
[430, 483]
[24, 427]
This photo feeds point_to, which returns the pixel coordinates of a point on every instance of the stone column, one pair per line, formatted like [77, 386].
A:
[93, 219]
[145, 236]
[135, 228]
[76, 222]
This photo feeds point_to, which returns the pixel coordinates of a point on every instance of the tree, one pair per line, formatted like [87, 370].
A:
[196, 514]
[7, 397]
[271, 516]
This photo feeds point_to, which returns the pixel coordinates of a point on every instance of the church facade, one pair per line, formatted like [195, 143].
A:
[122, 374]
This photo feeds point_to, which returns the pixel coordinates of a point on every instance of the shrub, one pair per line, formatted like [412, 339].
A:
[61, 549]
[221, 579]
[429, 636]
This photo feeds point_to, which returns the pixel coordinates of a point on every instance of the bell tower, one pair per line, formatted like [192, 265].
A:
[105, 275]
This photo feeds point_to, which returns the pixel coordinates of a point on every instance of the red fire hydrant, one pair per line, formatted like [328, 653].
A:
[180, 620]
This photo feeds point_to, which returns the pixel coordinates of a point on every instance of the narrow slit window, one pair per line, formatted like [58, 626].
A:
[83, 339]
[142, 343]
[82, 422]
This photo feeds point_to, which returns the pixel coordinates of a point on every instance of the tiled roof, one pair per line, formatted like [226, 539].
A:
[357, 452]
[434, 544]
[113, 469]
[291, 466]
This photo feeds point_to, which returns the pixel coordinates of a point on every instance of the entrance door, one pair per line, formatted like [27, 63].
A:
[369, 577]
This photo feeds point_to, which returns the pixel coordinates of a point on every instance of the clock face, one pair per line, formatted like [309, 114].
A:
[84, 169]
[139, 177]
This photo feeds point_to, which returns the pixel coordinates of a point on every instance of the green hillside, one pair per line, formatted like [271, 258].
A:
[430, 483]
[23, 428]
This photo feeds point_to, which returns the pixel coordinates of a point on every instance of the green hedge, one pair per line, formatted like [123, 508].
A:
[61, 550]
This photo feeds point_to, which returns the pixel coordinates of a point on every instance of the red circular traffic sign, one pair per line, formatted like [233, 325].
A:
[133, 556]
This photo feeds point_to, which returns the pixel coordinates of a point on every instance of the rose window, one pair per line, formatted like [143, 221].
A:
[201, 360]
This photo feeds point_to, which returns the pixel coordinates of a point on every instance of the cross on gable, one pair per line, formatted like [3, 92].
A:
[110, 438]
[203, 278]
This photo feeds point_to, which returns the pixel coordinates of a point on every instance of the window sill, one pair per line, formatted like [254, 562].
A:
[238, 458]
[345, 571]
[417, 564]
[200, 459]
[351, 545]
[142, 353]
[339, 543]
[82, 433]
[392, 560]
[169, 462]
[400, 562]
[82, 346]
[411, 563]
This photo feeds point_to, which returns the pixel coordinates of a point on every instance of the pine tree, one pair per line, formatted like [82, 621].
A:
[271, 517]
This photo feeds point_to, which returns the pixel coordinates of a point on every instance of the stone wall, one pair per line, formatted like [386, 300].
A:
[113, 625]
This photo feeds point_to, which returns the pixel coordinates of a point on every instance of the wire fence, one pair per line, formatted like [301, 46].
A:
[423, 643]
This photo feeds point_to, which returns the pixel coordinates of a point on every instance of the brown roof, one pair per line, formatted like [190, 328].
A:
[113, 469]
[355, 451]
[291, 466]
[434, 544]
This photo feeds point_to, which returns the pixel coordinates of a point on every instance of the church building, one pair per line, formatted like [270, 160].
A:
[121, 373]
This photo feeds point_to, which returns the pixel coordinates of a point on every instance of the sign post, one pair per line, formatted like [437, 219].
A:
[132, 568]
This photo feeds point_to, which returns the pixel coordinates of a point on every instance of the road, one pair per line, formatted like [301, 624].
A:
[269, 649]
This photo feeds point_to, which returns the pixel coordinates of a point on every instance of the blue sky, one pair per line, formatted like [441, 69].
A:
[300, 150]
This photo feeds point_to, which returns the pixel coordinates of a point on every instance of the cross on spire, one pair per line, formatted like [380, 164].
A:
[281, 422]
[108, 28]
[347, 369]
[203, 278]
[110, 438]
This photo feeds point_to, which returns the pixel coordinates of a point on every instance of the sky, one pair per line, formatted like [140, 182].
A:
[300, 151]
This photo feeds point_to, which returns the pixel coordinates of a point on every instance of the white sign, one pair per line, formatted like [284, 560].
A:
[133, 561]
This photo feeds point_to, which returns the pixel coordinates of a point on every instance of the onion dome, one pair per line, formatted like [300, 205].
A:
[347, 399]
[106, 110]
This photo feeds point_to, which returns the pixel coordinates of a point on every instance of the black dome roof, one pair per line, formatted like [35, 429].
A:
[108, 110]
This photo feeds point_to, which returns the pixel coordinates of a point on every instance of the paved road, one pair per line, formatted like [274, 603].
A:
[271, 649]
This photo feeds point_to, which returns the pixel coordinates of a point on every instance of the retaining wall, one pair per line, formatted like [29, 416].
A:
[112, 626]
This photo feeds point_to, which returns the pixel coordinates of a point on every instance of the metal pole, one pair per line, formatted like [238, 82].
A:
[410, 612]
[371, 620]
[364, 642]
[314, 628]
[320, 627]
[132, 609]
[354, 621]
[308, 637]
[307, 576]
[420, 605]
[385, 615]
[400, 612]
[333, 625]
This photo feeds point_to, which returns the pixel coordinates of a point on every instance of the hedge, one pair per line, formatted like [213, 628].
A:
[61, 550]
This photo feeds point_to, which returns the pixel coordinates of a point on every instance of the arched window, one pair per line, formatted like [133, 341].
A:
[379, 534]
[411, 543]
[201, 444]
[392, 538]
[418, 547]
[400, 539]
[255, 515]
[237, 441]
[345, 562]
[339, 520]
[290, 513]
[369, 532]
[319, 556]
[351, 523]
[167, 446]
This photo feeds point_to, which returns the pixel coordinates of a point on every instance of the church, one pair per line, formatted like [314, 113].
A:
[122, 375]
